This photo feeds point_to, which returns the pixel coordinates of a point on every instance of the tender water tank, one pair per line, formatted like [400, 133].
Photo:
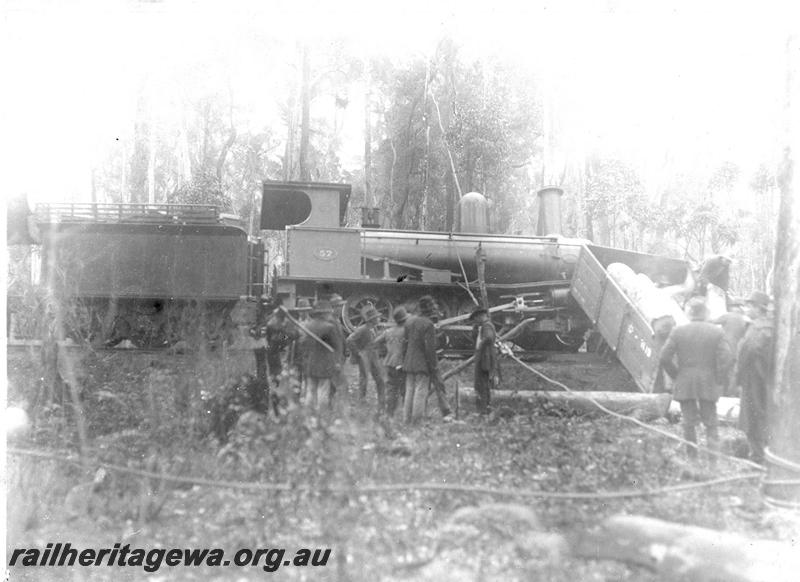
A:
[473, 213]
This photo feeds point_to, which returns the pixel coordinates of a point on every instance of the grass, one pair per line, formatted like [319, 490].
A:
[372, 535]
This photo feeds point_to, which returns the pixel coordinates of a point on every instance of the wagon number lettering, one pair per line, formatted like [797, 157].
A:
[325, 254]
[648, 351]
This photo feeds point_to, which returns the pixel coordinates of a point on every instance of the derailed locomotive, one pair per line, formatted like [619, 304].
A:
[164, 274]
[523, 277]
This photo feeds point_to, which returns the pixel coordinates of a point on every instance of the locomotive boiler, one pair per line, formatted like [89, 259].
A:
[529, 275]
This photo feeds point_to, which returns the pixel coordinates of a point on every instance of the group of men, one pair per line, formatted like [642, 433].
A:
[407, 374]
[731, 355]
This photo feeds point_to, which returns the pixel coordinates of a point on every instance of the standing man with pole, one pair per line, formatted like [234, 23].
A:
[485, 358]
[322, 344]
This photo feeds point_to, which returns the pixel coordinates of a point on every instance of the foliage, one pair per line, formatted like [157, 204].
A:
[488, 114]
[203, 189]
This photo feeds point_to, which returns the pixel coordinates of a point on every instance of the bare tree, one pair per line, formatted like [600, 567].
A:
[305, 120]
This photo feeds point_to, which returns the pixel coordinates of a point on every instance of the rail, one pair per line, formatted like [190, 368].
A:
[124, 213]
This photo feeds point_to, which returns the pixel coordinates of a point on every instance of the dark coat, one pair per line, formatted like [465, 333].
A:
[337, 329]
[734, 326]
[754, 374]
[485, 352]
[320, 363]
[363, 338]
[703, 360]
[420, 355]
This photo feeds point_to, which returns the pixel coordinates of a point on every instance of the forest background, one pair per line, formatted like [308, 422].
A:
[663, 124]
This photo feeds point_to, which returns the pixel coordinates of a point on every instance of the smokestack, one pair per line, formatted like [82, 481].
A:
[549, 211]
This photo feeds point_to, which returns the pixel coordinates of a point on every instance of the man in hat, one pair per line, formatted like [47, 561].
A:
[339, 380]
[394, 339]
[258, 332]
[419, 362]
[754, 373]
[734, 324]
[297, 359]
[321, 363]
[485, 358]
[279, 335]
[703, 360]
[362, 343]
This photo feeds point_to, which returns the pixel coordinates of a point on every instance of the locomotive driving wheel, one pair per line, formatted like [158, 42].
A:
[351, 310]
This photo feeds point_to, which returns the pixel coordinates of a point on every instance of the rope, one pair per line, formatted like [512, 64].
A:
[638, 422]
[444, 139]
[464, 273]
[386, 488]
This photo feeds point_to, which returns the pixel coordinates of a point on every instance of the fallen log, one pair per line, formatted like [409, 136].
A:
[688, 553]
[642, 406]
[727, 409]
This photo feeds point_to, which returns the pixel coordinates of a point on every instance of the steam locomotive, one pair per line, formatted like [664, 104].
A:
[160, 274]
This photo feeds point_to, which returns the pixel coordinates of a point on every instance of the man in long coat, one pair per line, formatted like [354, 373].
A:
[420, 363]
[754, 374]
[703, 360]
[485, 358]
[321, 363]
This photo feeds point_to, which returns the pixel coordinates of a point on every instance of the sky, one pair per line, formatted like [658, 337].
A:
[667, 86]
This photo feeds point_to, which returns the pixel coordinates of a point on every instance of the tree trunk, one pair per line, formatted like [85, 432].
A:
[426, 163]
[785, 445]
[305, 121]
[151, 163]
[368, 202]
[223, 154]
[691, 554]
[450, 208]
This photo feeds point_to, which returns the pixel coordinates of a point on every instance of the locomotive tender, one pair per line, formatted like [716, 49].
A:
[155, 274]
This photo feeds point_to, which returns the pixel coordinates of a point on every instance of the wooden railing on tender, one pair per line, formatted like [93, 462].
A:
[115, 213]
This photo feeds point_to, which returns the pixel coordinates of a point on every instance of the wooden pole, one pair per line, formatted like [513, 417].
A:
[480, 260]
[305, 330]
[783, 454]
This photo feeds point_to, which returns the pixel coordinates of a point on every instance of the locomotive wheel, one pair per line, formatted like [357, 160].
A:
[351, 310]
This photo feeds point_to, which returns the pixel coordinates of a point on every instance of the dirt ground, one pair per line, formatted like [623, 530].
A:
[403, 534]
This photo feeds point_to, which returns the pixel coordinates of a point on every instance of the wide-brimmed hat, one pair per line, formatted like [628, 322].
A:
[427, 304]
[758, 298]
[369, 313]
[321, 306]
[336, 299]
[735, 301]
[301, 304]
[696, 309]
[400, 314]
[476, 312]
